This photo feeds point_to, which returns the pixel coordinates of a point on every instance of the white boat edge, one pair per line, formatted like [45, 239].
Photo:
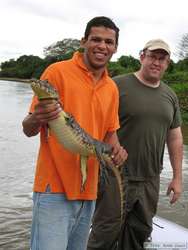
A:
[168, 235]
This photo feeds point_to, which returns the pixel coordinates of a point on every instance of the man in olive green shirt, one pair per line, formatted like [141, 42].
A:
[149, 118]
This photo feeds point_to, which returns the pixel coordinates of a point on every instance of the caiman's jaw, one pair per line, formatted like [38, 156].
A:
[43, 89]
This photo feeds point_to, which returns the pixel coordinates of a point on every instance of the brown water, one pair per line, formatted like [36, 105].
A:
[17, 157]
[17, 160]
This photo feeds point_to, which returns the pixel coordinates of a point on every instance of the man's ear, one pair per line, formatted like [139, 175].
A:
[82, 42]
[142, 56]
[168, 61]
[115, 50]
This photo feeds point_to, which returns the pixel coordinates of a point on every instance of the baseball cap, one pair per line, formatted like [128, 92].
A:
[157, 44]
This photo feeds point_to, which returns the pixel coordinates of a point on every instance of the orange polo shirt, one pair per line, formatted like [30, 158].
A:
[95, 108]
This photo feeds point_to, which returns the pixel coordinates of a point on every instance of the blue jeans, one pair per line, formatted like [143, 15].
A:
[60, 224]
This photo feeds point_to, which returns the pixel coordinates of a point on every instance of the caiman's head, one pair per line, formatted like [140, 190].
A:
[43, 89]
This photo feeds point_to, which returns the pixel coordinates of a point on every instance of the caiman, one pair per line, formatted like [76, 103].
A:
[74, 138]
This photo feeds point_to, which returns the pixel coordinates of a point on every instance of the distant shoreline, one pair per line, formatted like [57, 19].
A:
[15, 79]
[181, 93]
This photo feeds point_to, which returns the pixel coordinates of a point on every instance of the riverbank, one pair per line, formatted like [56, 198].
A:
[15, 79]
[180, 89]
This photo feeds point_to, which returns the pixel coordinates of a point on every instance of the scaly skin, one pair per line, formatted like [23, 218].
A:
[69, 133]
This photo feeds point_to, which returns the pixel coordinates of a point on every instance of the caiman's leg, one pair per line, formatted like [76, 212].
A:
[83, 168]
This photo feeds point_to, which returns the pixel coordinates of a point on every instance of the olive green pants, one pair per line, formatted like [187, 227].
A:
[142, 199]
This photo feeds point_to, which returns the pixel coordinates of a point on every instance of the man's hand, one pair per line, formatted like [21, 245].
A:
[119, 154]
[45, 111]
[175, 187]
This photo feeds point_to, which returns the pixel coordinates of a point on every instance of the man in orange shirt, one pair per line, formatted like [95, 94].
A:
[61, 212]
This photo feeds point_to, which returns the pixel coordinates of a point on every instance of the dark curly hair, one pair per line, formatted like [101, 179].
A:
[101, 21]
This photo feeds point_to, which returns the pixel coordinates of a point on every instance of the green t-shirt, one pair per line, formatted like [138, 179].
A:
[146, 114]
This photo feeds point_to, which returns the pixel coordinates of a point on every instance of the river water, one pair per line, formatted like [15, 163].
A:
[17, 162]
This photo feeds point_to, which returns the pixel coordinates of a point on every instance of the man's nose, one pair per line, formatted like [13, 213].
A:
[157, 61]
[102, 44]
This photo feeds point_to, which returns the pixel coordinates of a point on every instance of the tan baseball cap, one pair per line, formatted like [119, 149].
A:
[157, 44]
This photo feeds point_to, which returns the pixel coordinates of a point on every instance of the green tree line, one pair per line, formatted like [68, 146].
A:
[30, 66]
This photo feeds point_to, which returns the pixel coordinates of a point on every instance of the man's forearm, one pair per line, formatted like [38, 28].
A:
[175, 149]
[111, 138]
[175, 154]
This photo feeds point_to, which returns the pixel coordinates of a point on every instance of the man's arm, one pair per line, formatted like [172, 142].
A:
[44, 111]
[119, 154]
[175, 149]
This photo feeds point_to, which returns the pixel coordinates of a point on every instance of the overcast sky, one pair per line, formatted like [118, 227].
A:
[27, 26]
